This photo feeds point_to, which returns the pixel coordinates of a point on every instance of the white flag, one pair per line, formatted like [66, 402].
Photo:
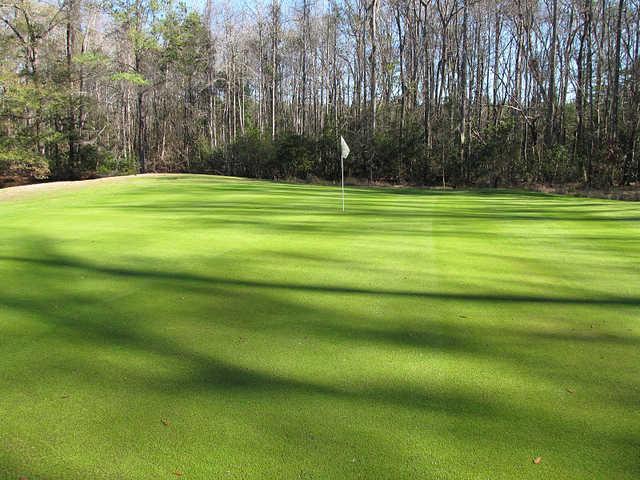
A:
[345, 148]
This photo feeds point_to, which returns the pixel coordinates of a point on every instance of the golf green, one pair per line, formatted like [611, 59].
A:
[212, 328]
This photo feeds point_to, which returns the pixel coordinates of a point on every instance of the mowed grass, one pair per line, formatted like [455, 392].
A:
[213, 328]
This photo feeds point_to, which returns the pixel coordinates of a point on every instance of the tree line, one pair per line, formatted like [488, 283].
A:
[451, 92]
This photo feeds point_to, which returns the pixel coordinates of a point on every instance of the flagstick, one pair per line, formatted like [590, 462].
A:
[342, 165]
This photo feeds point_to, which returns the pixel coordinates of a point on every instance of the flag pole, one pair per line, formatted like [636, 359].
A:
[342, 168]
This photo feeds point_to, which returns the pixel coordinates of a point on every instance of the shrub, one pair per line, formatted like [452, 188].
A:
[23, 163]
[294, 155]
[109, 164]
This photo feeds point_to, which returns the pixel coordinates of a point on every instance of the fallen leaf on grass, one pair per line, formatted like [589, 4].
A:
[570, 390]
[178, 473]
[537, 460]
[165, 422]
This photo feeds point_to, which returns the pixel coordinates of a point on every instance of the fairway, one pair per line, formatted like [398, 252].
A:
[219, 328]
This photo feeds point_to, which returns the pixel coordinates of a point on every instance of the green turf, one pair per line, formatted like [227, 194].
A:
[420, 335]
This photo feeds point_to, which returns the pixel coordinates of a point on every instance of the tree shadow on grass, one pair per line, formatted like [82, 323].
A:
[439, 334]
[213, 281]
[419, 210]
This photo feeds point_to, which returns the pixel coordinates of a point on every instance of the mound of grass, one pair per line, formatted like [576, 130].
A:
[202, 328]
